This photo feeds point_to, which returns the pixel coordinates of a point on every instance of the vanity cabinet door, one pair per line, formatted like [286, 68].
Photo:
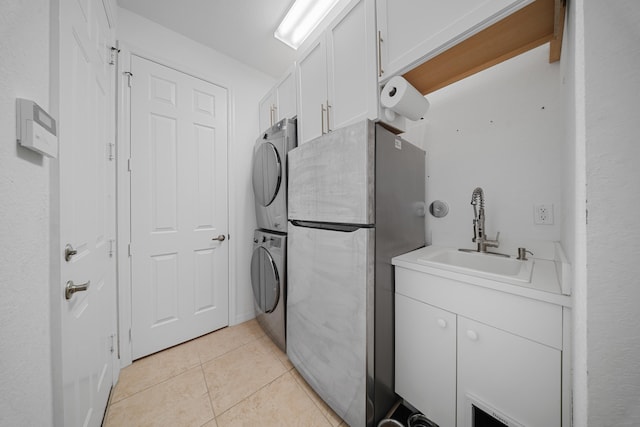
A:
[518, 378]
[426, 359]
[412, 31]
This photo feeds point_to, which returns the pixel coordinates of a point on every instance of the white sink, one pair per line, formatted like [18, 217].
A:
[488, 266]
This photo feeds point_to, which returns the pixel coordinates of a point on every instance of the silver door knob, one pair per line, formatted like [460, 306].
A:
[71, 289]
[220, 238]
[69, 252]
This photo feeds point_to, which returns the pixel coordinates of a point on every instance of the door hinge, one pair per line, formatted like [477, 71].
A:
[111, 244]
[113, 55]
[129, 165]
[112, 345]
[111, 151]
[129, 75]
[129, 335]
[129, 249]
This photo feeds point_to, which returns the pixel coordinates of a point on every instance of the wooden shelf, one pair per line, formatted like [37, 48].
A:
[536, 24]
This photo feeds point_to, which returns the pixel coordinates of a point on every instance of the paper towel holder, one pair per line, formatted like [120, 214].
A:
[399, 97]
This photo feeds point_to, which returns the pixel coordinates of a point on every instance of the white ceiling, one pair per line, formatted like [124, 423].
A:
[242, 29]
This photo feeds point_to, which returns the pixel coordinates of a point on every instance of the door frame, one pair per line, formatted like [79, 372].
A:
[123, 190]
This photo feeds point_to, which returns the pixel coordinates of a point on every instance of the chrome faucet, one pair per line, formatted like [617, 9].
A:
[479, 236]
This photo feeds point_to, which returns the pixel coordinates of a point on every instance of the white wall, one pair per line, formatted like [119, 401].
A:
[503, 130]
[246, 87]
[25, 344]
[612, 118]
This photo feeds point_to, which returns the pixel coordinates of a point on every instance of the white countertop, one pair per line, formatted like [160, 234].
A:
[544, 284]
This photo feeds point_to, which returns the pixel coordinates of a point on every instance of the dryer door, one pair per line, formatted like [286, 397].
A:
[265, 280]
[267, 173]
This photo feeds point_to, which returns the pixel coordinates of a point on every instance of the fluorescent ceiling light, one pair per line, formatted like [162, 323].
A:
[301, 19]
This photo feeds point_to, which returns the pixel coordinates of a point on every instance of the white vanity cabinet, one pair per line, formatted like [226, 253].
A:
[460, 345]
[412, 31]
[337, 84]
[279, 102]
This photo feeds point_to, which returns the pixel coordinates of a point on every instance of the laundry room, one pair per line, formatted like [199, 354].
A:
[400, 219]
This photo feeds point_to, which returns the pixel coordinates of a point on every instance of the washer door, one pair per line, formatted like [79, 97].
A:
[267, 173]
[265, 280]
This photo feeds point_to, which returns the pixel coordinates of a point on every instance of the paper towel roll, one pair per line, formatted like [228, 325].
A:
[399, 96]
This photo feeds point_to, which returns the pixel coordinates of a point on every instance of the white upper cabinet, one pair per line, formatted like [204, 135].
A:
[267, 109]
[412, 31]
[312, 92]
[286, 96]
[280, 102]
[351, 62]
[337, 83]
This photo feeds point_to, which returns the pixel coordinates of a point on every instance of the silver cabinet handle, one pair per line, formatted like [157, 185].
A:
[328, 113]
[380, 70]
[220, 238]
[69, 252]
[322, 110]
[71, 289]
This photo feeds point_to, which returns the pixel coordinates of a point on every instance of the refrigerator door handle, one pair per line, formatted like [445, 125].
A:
[345, 228]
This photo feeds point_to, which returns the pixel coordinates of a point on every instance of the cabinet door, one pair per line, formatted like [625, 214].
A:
[414, 30]
[312, 92]
[426, 359]
[266, 111]
[518, 378]
[286, 97]
[351, 58]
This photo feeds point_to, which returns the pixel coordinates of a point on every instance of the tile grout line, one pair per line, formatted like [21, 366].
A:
[185, 370]
[256, 391]
[154, 384]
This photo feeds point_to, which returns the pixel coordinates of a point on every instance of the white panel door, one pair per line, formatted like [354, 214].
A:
[87, 211]
[179, 220]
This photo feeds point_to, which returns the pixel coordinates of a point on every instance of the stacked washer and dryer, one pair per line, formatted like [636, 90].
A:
[268, 262]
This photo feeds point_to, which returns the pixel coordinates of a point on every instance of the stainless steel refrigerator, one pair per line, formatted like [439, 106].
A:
[356, 199]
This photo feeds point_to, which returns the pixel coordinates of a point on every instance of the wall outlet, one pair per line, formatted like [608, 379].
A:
[543, 214]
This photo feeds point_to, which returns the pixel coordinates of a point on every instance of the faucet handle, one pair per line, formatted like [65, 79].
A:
[522, 254]
[492, 243]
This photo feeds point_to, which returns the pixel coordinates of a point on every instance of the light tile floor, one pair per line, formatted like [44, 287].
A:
[232, 377]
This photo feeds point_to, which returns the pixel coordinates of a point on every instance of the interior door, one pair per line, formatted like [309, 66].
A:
[87, 292]
[179, 220]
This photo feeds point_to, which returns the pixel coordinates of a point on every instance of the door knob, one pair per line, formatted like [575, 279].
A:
[69, 252]
[220, 238]
[71, 289]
